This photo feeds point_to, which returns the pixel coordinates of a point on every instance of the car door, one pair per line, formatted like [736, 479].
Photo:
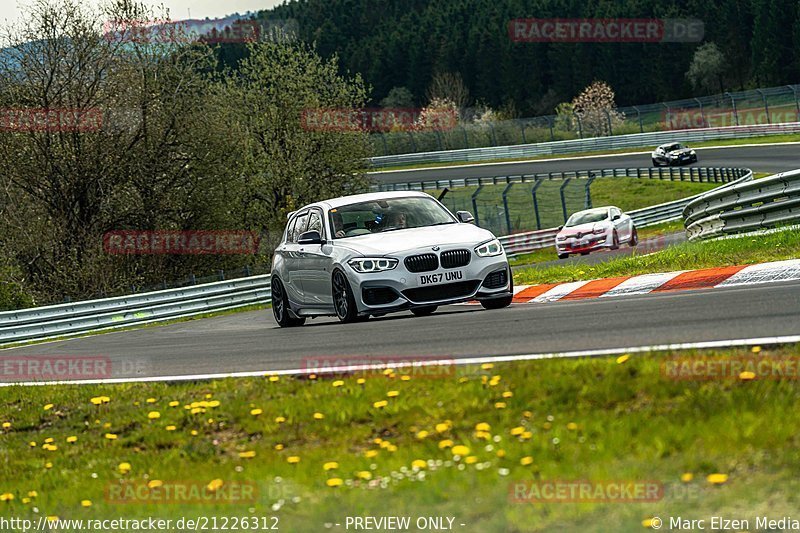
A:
[621, 224]
[316, 263]
[292, 276]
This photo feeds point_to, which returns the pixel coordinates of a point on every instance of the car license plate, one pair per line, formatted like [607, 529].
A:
[441, 277]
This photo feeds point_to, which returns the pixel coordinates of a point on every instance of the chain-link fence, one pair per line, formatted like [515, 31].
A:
[774, 105]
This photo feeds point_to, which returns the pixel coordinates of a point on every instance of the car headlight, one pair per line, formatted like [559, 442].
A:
[489, 249]
[691, 153]
[364, 265]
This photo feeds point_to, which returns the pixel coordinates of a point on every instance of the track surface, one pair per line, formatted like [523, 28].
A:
[253, 342]
[762, 158]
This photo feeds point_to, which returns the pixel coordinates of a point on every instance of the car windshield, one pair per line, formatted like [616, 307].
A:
[388, 214]
[675, 147]
[586, 217]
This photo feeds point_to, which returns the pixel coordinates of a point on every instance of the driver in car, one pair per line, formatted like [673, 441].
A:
[338, 225]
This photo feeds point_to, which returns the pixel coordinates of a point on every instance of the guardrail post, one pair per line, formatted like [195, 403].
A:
[413, 142]
[796, 101]
[475, 204]
[702, 112]
[522, 129]
[439, 139]
[505, 205]
[733, 105]
[639, 117]
[466, 139]
[385, 146]
[536, 202]
[608, 119]
[580, 126]
[222, 275]
[766, 105]
[494, 137]
[563, 199]
[550, 125]
[587, 201]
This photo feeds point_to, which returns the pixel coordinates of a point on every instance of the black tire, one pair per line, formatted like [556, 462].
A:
[280, 306]
[343, 300]
[584, 253]
[615, 241]
[656, 163]
[499, 303]
[563, 256]
[634, 238]
[424, 311]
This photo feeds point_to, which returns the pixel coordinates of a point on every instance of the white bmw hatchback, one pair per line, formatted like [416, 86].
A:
[370, 254]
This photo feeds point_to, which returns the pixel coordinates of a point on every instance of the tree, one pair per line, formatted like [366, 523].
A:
[594, 107]
[706, 69]
[398, 97]
[449, 86]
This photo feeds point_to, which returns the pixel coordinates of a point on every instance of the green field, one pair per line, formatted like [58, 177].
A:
[600, 420]
[626, 193]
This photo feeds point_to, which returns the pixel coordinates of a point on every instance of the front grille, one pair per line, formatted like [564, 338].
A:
[422, 263]
[378, 295]
[455, 258]
[496, 279]
[460, 289]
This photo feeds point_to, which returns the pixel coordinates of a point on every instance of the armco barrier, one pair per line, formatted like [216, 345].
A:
[754, 205]
[635, 140]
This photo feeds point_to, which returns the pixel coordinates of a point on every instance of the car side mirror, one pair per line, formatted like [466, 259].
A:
[465, 217]
[560, 228]
[310, 237]
[617, 217]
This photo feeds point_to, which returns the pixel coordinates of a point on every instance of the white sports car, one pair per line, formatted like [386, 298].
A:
[372, 254]
[594, 229]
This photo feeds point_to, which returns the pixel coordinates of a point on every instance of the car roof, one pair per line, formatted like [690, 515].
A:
[366, 197]
[596, 209]
[666, 145]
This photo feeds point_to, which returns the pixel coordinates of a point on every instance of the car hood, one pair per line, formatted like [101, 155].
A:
[583, 229]
[398, 241]
[679, 152]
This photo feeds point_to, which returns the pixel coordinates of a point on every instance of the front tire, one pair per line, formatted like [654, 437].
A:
[424, 311]
[343, 300]
[563, 256]
[280, 306]
[615, 241]
[634, 238]
[656, 163]
[499, 303]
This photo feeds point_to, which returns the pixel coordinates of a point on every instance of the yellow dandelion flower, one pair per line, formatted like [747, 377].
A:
[648, 523]
[500, 405]
[194, 433]
[6, 425]
[687, 477]
[86, 503]
[154, 484]
[124, 468]
[331, 465]
[483, 435]
[527, 414]
[527, 460]
[393, 394]
[49, 440]
[463, 379]
[405, 377]
[422, 434]
[334, 482]
[214, 485]
[33, 494]
[361, 381]
[72, 439]
[572, 426]
[459, 450]
[280, 419]
[32, 444]
[377, 440]
[756, 349]
[717, 479]
[385, 444]
[170, 428]
[209, 396]
[517, 431]
[369, 454]
[48, 465]
[500, 453]
[50, 447]
[151, 400]
[273, 379]
[213, 403]
[622, 358]
[471, 460]
[526, 435]
[508, 394]
[247, 455]
[388, 372]
[312, 376]
[391, 448]
[6, 497]
[482, 426]
[278, 447]
[338, 383]
[48, 407]
[419, 463]
[447, 443]
[174, 403]
[293, 459]
[747, 375]
[380, 404]
[442, 427]
[26, 500]
[487, 366]
[318, 416]
[364, 474]
[152, 415]
[52, 518]
[256, 412]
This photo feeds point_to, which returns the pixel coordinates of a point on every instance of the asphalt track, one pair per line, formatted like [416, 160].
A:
[759, 158]
[252, 341]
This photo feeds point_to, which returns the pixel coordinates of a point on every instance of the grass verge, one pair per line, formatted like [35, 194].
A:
[318, 450]
[767, 139]
[744, 250]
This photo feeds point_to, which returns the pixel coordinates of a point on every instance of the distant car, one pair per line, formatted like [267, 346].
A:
[371, 254]
[594, 229]
[673, 154]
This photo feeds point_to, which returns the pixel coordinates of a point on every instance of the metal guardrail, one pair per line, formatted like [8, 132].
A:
[754, 205]
[635, 140]
[41, 323]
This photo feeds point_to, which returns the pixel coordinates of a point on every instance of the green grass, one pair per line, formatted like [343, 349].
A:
[626, 193]
[742, 250]
[594, 419]
[767, 139]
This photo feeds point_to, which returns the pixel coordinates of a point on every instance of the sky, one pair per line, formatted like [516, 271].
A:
[179, 9]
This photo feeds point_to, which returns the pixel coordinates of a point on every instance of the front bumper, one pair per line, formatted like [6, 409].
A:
[398, 289]
[587, 243]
